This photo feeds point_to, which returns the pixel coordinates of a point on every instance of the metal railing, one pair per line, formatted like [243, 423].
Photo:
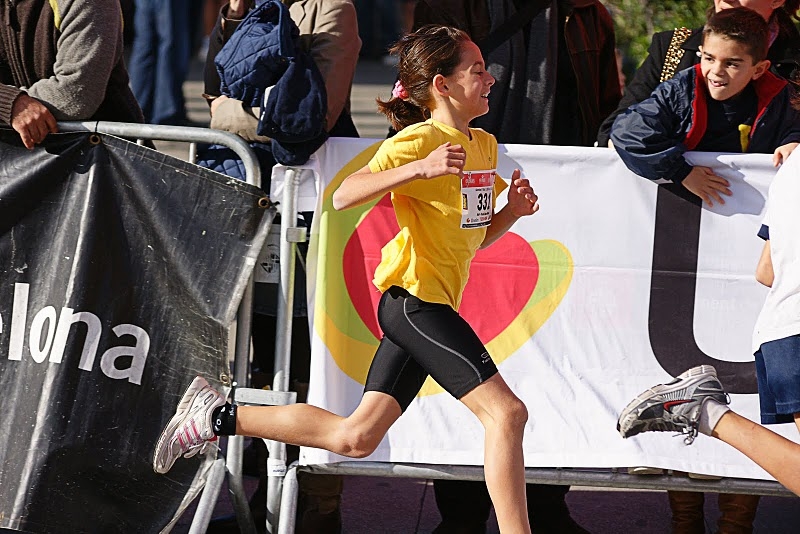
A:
[235, 444]
[282, 488]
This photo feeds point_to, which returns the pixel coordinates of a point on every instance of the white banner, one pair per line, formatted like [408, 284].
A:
[616, 284]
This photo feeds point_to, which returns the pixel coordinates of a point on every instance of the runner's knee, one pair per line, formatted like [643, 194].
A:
[510, 415]
[518, 413]
[354, 442]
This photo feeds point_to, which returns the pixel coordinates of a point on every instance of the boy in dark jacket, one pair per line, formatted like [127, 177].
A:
[730, 102]
[674, 50]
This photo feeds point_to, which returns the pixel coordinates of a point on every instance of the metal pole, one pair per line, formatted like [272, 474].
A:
[573, 477]
[289, 501]
[209, 497]
[192, 153]
[241, 506]
[276, 465]
[184, 134]
[288, 248]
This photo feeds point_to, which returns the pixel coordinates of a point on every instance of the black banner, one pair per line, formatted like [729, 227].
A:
[121, 269]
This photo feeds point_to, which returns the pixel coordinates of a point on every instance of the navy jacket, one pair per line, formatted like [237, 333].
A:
[783, 54]
[652, 136]
[263, 53]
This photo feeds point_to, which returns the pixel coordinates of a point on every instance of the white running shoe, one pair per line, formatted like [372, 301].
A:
[189, 431]
[674, 406]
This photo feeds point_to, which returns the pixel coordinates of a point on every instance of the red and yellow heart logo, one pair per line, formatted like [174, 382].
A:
[514, 285]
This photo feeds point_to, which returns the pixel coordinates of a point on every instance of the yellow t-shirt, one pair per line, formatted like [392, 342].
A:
[442, 220]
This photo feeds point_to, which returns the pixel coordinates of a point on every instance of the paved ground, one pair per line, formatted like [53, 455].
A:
[372, 505]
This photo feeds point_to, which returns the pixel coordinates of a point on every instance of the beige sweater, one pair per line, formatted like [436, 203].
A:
[76, 68]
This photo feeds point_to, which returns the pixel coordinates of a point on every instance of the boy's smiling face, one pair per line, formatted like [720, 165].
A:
[727, 66]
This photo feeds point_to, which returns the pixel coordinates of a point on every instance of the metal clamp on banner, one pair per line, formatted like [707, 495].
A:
[263, 397]
[276, 468]
[296, 234]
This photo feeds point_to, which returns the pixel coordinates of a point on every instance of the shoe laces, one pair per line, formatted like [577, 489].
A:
[690, 432]
[688, 426]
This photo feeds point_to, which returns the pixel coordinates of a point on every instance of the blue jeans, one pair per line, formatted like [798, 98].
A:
[778, 373]
[159, 58]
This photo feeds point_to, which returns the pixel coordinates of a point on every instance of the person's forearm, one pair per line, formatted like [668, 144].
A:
[501, 222]
[764, 273]
[364, 185]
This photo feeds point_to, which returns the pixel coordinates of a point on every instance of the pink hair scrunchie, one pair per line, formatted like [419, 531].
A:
[399, 91]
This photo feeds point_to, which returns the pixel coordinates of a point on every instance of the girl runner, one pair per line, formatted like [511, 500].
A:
[442, 177]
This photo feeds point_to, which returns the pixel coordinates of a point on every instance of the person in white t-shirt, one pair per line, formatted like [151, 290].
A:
[695, 402]
[776, 339]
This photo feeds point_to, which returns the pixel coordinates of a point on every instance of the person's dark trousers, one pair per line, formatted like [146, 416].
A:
[377, 26]
[737, 512]
[464, 507]
[548, 512]
[159, 60]
[687, 512]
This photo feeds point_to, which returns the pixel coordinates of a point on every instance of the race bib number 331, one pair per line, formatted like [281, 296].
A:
[477, 189]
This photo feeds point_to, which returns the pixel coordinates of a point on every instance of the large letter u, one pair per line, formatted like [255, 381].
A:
[672, 292]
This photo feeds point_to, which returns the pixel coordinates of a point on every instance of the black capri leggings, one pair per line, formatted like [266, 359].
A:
[421, 339]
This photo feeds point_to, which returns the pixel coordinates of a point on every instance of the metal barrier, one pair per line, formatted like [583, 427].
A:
[609, 478]
[235, 444]
[282, 489]
[600, 478]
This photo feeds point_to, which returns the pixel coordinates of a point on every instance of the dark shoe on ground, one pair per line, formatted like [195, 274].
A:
[687, 512]
[737, 513]
[452, 527]
[565, 525]
[315, 522]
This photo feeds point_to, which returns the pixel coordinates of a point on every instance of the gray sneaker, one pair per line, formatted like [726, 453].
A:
[189, 431]
[674, 406]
